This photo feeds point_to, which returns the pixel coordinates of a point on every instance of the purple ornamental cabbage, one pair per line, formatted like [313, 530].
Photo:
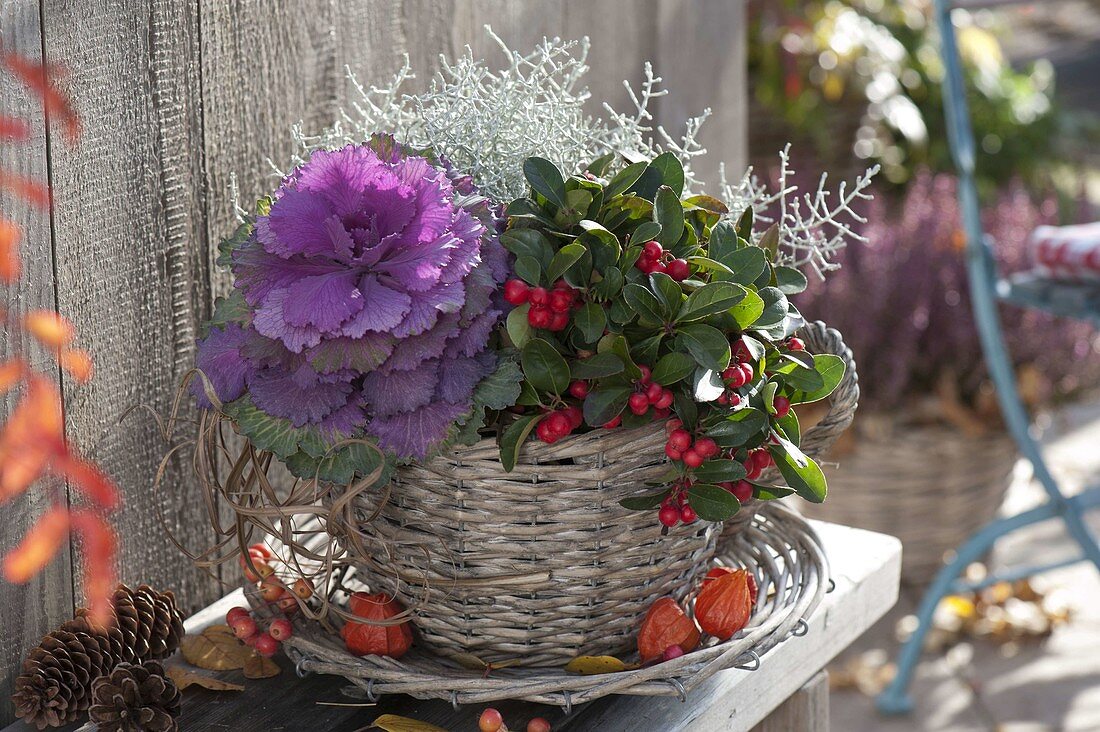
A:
[371, 291]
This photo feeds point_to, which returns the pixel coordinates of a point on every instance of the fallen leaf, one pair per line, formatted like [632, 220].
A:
[184, 678]
[394, 723]
[258, 667]
[591, 665]
[217, 649]
[472, 662]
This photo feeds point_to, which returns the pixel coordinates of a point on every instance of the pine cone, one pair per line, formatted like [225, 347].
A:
[55, 686]
[135, 698]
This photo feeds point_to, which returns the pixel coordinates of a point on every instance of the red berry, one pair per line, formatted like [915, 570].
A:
[615, 422]
[302, 588]
[558, 320]
[761, 459]
[752, 470]
[723, 399]
[490, 720]
[692, 458]
[265, 645]
[539, 296]
[730, 372]
[244, 627]
[749, 373]
[653, 250]
[672, 452]
[687, 514]
[673, 651]
[782, 406]
[559, 424]
[742, 490]
[647, 373]
[796, 344]
[661, 413]
[271, 590]
[561, 300]
[653, 392]
[579, 389]
[288, 604]
[538, 724]
[680, 440]
[545, 432]
[669, 515]
[234, 613]
[678, 269]
[707, 447]
[260, 551]
[665, 401]
[737, 378]
[673, 424]
[575, 416]
[516, 291]
[639, 404]
[659, 268]
[734, 399]
[539, 317]
[280, 629]
[645, 265]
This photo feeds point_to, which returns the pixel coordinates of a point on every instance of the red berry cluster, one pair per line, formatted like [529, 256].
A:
[257, 568]
[675, 507]
[655, 259]
[682, 446]
[560, 422]
[648, 393]
[244, 627]
[755, 464]
[549, 308]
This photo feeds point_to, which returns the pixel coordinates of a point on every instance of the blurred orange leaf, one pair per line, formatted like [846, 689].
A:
[100, 545]
[37, 78]
[13, 128]
[88, 479]
[50, 328]
[28, 188]
[10, 374]
[78, 363]
[32, 436]
[10, 265]
[38, 546]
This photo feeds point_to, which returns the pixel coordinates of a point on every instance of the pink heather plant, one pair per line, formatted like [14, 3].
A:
[902, 300]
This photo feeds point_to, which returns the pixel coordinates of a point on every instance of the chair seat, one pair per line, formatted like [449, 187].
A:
[1080, 300]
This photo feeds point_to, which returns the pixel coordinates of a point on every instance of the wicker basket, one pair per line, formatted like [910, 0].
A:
[541, 564]
[928, 485]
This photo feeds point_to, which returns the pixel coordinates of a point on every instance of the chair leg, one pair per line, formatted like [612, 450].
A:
[895, 698]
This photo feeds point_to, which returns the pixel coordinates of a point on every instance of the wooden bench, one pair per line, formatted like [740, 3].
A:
[789, 692]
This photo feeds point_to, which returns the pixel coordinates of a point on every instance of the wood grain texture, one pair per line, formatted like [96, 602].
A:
[28, 611]
[131, 257]
[701, 54]
[806, 710]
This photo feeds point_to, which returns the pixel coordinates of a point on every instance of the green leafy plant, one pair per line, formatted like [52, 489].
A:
[634, 304]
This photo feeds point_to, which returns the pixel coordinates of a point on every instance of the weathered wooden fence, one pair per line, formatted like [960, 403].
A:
[175, 96]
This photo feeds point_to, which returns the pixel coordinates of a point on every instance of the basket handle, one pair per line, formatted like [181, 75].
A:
[820, 338]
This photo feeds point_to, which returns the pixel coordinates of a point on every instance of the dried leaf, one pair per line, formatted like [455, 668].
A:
[259, 667]
[394, 723]
[472, 662]
[591, 665]
[184, 678]
[217, 649]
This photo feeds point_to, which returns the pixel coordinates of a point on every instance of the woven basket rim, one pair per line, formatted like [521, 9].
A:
[780, 546]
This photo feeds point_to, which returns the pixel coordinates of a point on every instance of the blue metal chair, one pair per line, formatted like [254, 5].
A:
[987, 288]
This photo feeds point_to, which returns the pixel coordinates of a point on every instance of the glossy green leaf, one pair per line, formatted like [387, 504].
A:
[528, 269]
[739, 427]
[711, 299]
[544, 367]
[565, 258]
[712, 503]
[748, 310]
[668, 291]
[668, 212]
[516, 325]
[744, 224]
[598, 366]
[671, 170]
[707, 345]
[605, 403]
[720, 470]
[591, 320]
[545, 178]
[769, 242]
[513, 438]
[831, 368]
[645, 303]
[790, 281]
[644, 503]
[723, 241]
[746, 263]
[673, 367]
[624, 179]
[707, 203]
[801, 473]
[648, 231]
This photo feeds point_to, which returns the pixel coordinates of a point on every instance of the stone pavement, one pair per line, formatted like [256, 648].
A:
[1049, 685]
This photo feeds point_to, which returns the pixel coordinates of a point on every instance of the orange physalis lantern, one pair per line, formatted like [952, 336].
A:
[721, 571]
[365, 639]
[724, 605]
[666, 624]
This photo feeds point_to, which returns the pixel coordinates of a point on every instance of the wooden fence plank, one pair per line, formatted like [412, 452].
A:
[131, 257]
[28, 611]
